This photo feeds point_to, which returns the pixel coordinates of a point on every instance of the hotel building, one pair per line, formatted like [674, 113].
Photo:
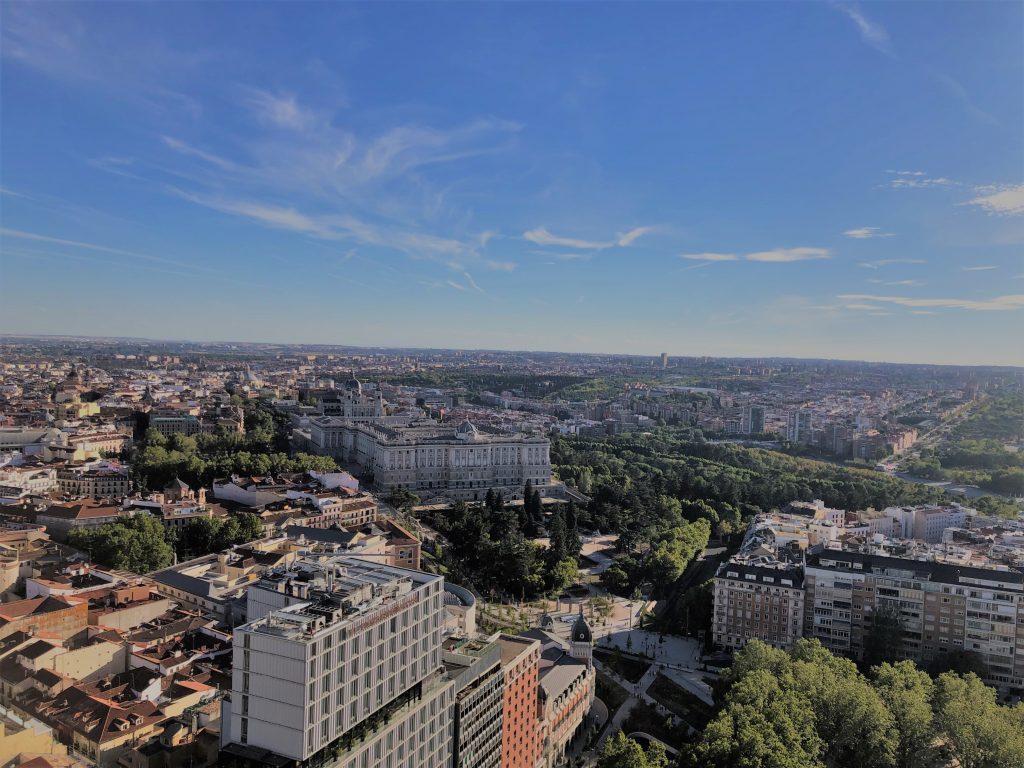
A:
[341, 663]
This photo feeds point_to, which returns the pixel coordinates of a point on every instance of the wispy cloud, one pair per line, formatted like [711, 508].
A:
[891, 283]
[783, 255]
[863, 307]
[1003, 201]
[953, 86]
[59, 43]
[541, 236]
[710, 256]
[565, 255]
[36, 237]
[466, 285]
[917, 180]
[995, 304]
[876, 36]
[863, 233]
[629, 237]
[418, 245]
[984, 268]
[188, 150]
[500, 266]
[373, 189]
[282, 110]
[871, 32]
[775, 256]
[11, 193]
[878, 263]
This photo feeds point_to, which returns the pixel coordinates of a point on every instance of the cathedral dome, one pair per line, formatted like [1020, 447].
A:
[353, 384]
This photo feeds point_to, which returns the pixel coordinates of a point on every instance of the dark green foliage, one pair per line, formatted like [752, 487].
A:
[622, 752]
[261, 450]
[811, 708]
[661, 566]
[489, 547]
[961, 662]
[1000, 417]
[212, 534]
[907, 691]
[982, 733]
[137, 544]
[403, 500]
[643, 484]
[976, 451]
[884, 638]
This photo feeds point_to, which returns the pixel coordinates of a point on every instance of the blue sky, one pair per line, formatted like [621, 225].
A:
[803, 179]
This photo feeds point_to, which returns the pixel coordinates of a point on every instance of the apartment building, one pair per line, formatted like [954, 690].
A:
[521, 745]
[341, 661]
[942, 608]
[94, 483]
[336, 506]
[30, 478]
[761, 598]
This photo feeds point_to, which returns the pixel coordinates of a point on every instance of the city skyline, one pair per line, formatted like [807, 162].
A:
[604, 178]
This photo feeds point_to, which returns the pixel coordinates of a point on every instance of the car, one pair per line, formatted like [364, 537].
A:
[568, 618]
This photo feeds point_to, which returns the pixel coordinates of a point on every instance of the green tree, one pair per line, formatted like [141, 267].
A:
[615, 580]
[602, 606]
[622, 752]
[558, 536]
[906, 692]
[981, 733]
[884, 638]
[850, 716]
[250, 528]
[137, 544]
[564, 574]
[765, 723]
[403, 500]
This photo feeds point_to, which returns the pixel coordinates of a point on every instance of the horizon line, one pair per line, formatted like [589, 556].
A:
[653, 356]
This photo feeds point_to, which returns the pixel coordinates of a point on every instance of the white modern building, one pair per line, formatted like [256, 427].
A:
[341, 662]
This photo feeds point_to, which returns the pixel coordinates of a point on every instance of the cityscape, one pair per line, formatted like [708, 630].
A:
[511, 385]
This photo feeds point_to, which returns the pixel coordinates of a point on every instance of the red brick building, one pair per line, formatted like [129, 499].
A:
[520, 727]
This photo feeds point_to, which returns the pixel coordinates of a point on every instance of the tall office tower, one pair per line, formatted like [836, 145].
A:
[664, 359]
[340, 664]
[799, 427]
[475, 666]
[754, 420]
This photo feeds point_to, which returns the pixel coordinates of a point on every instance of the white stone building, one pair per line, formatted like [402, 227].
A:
[424, 456]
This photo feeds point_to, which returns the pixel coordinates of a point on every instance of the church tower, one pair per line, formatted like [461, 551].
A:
[581, 640]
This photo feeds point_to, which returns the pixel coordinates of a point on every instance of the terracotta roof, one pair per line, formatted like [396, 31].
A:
[33, 606]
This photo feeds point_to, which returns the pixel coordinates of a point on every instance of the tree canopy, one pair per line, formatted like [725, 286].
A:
[809, 708]
[137, 544]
